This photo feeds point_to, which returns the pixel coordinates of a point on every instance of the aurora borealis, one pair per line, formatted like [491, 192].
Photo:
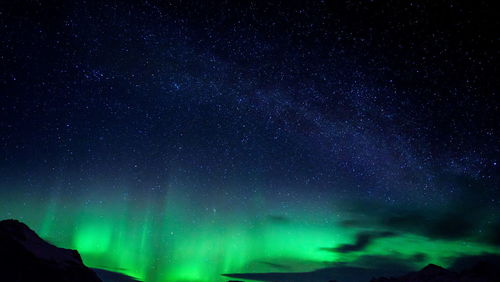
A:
[182, 243]
[262, 140]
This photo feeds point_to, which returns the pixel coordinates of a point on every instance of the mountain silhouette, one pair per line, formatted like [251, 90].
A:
[481, 272]
[25, 257]
[485, 268]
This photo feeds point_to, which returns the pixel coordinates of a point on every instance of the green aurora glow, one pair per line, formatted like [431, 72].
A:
[187, 140]
[175, 241]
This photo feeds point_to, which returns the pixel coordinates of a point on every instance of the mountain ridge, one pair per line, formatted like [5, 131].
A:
[27, 257]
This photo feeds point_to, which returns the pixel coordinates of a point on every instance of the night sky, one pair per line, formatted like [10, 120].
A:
[182, 140]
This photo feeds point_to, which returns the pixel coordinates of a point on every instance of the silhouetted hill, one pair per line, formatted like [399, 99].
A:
[24, 256]
[481, 272]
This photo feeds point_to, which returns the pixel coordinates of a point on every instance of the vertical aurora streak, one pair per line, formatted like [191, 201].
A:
[177, 242]
[177, 141]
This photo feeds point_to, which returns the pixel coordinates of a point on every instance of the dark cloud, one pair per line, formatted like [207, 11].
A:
[468, 223]
[467, 217]
[275, 265]
[363, 240]
[492, 234]
[279, 219]
[467, 262]
[367, 267]
[350, 223]
[395, 260]
[452, 225]
[340, 273]
[363, 269]
[420, 257]
[405, 221]
[461, 224]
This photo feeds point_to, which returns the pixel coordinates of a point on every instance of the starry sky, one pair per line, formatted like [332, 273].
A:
[183, 140]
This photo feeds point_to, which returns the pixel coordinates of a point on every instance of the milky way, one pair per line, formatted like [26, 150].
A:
[176, 141]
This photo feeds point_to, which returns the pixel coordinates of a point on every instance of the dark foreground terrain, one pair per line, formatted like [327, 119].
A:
[26, 257]
[481, 272]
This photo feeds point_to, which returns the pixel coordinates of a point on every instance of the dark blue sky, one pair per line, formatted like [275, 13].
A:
[391, 103]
